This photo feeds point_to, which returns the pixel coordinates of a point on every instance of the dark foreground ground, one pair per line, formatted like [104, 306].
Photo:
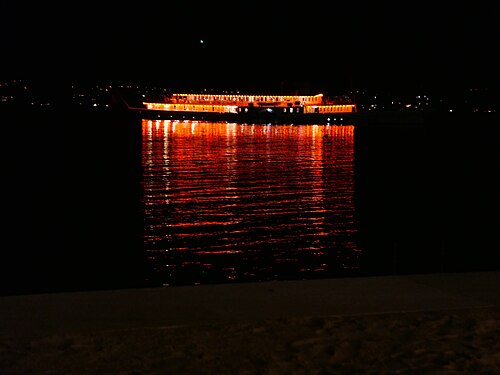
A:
[421, 324]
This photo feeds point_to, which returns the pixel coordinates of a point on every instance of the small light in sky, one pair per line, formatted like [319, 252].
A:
[201, 41]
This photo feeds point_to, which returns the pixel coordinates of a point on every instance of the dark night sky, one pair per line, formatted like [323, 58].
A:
[322, 43]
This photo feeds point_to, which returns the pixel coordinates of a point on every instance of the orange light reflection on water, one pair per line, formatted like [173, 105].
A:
[278, 192]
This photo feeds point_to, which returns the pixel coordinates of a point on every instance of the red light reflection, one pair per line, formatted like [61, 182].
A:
[252, 201]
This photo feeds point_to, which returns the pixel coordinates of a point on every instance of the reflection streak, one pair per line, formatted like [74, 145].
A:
[262, 201]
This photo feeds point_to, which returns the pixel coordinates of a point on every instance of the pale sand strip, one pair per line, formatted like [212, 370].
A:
[67, 313]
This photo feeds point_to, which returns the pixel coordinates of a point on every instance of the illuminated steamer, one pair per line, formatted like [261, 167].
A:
[257, 108]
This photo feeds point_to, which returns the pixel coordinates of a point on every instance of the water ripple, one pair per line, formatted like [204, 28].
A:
[229, 202]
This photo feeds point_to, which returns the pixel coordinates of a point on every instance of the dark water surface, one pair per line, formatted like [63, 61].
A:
[103, 200]
[235, 202]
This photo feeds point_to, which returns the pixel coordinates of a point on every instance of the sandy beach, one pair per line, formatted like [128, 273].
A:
[422, 324]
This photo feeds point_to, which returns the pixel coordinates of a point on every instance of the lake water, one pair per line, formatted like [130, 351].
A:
[100, 201]
[234, 202]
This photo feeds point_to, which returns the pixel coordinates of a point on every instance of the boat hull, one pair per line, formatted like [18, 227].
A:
[261, 116]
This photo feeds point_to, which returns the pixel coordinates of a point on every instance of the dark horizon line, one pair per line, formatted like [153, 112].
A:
[299, 85]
